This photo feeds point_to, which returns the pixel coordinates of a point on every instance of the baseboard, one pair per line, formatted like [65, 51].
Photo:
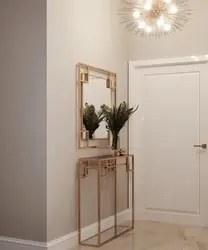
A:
[71, 240]
[18, 244]
[64, 243]
[91, 230]
[172, 218]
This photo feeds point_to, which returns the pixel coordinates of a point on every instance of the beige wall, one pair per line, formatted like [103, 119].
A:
[89, 31]
[23, 119]
[193, 40]
[78, 31]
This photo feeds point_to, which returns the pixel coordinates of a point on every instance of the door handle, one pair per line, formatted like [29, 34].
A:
[204, 146]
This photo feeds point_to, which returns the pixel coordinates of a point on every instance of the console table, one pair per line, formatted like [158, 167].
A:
[119, 222]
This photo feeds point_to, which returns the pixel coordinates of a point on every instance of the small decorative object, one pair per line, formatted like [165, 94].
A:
[155, 17]
[115, 119]
[91, 119]
[115, 152]
[121, 152]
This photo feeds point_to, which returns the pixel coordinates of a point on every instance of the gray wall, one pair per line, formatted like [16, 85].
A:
[193, 40]
[78, 31]
[23, 119]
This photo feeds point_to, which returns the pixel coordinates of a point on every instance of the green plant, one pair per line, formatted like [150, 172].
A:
[91, 119]
[116, 118]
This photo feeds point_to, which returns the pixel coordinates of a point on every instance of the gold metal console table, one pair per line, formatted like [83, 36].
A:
[119, 222]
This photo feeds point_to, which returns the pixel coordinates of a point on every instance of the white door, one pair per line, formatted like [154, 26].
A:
[171, 175]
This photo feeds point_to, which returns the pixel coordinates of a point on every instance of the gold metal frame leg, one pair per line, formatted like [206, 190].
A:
[132, 191]
[79, 206]
[99, 204]
[115, 208]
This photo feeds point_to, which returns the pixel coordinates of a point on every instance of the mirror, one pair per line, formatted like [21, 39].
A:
[95, 88]
[96, 93]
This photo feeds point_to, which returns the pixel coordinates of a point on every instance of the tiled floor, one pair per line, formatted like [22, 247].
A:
[159, 236]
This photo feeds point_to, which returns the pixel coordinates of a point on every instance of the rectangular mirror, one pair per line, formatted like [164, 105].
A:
[95, 87]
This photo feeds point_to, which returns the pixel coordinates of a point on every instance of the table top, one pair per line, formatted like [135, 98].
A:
[105, 157]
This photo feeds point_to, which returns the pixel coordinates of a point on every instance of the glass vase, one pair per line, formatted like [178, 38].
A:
[115, 145]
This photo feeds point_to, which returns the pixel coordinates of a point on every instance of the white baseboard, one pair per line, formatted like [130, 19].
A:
[172, 218]
[64, 243]
[71, 240]
[91, 230]
[17, 244]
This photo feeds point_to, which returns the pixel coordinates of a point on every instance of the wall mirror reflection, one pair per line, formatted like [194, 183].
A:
[96, 87]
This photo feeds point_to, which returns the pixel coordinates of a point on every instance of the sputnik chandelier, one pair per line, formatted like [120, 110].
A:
[155, 17]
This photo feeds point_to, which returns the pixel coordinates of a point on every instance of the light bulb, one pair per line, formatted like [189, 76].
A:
[173, 9]
[160, 22]
[142, 25]
[136, 14]
[148, 6]
[167, 27]
[149, 29]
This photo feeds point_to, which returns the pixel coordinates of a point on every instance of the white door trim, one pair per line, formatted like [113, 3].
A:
[168, 61]
[154, 63]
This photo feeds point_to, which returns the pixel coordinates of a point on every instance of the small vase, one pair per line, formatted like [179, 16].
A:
[91, 133]
[114, 147]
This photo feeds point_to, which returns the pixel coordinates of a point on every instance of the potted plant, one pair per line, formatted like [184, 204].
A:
[91, 119]
[115, 119]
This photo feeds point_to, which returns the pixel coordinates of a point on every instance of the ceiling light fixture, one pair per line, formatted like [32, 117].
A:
[167, 27]
[148, 6]
[136, 14]
[155, 17]
[173, 9]
[160, 21]
[148, 29]
[142, 25]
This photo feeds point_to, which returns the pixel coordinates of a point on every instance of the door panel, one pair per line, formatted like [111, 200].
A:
[162, 135]
[169, 131]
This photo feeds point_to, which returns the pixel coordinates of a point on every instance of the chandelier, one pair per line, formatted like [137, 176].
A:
[155, 17]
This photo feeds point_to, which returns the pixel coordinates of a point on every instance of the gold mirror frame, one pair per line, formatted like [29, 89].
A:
[84, 72]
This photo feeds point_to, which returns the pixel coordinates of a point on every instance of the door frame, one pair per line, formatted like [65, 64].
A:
[166, 62]
[149, 63]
